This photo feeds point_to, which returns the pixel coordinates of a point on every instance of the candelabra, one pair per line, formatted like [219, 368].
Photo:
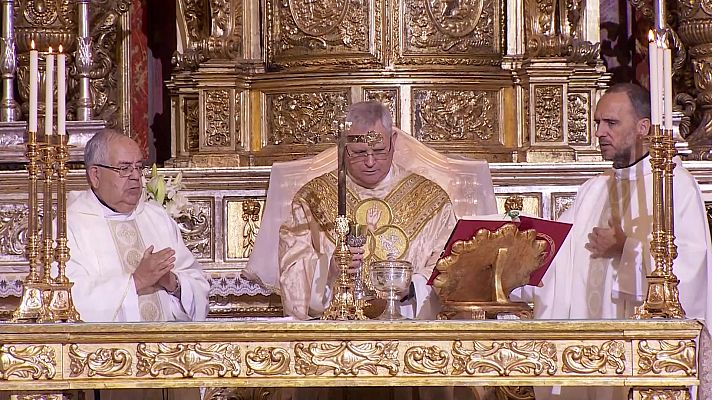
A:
[662, 299]
[44, 298]
[344, 304]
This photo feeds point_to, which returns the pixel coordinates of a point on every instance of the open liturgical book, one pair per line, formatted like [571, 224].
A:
[553, 232]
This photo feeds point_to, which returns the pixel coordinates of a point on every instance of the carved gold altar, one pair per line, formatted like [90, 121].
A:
[647, 356]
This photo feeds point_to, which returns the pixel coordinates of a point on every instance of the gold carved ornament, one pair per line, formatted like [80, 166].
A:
[31, 362]
[668, 358]
[426, 360]
[102, 362]
[346, 358]
[504, 358]
[591, 359]
[219, 359]
[665, 394]
[267, 361]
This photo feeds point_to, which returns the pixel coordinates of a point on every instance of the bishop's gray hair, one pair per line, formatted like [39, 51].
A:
[369, 113]
[96, 150]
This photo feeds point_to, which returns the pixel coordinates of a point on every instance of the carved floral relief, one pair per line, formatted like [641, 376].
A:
[306, 118]
[456, 115]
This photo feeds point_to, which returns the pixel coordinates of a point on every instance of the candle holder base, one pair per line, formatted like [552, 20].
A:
[33, 304]
[61, 306]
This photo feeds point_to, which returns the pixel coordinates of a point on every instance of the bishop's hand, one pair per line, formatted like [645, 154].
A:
[356, 263]
[606, 242]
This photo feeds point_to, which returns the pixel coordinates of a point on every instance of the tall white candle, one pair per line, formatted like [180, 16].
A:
[654, 95]
[61, 93]
[667, 89]
[49, 93]
[34, 71]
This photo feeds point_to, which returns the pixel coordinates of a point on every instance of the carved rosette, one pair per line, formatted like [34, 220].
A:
[594, 359]
[426, 360]
[267, 361]
[447, 32]
[665, 394]
[548, 113]
[187, 360]
[390, 97]
[346, 358]
[578, 125]
[29, 362]
[337, 32]
[13, 229]
[665, 357]
[217, 118]
[108, 362]
[456, 115]
[306, 118]
[191, 114]
[196, 227]
[504, 358]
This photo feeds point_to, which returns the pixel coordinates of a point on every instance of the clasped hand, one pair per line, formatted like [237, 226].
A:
[606, 242]
[155, 270]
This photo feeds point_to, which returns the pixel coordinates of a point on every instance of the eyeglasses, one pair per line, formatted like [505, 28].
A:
[362, 152]
[125, 170]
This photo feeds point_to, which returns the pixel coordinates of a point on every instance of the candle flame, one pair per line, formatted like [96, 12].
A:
[50, 49]
[60, 48]
[32, 43]
[651, 36]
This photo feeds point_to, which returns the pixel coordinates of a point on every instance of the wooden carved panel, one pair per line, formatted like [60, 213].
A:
[305, 118]
[579, 109]
[242, 223]
[192, 123]
[197, 228]
[318, 33]
[456, 115]
[548, 113]
[389, 96]
[530, 202]
[560, 202]
[447, 32]
[217, 119]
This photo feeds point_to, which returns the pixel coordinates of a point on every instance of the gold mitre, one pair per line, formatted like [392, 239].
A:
[370, 138]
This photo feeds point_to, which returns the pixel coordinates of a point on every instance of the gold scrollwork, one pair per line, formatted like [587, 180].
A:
[665, 394]
[102, 362]
[251, 217]
[192, 124]
[221, 359]
[578, 118]
[590, 359]
[346, 358]
[306, 118]
[28, 362]
[13, 227]
[217, 118]
[548, 113]
[196, 226]
[504, 358]
[267, 361]
[668, 357]
[447, 115]
[426, 360]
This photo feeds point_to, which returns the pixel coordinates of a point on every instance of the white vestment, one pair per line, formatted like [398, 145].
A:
[578, 286]
[104, 289]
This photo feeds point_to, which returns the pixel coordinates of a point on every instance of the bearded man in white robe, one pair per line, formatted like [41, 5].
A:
[600, 271]
[128, 260]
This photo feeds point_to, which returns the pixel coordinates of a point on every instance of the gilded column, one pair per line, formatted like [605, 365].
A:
[8, 63]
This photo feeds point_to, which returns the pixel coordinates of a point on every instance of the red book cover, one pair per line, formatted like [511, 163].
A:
[553, 232]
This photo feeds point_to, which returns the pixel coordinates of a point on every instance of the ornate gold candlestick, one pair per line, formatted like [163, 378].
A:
[61, 306]
[662, 300]
[344, 305]
[32, 305]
